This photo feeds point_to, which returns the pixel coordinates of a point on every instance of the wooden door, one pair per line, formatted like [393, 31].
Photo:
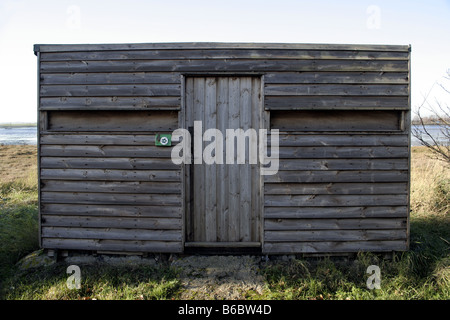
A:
[223, 200]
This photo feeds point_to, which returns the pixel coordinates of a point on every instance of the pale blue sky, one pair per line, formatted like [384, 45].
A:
[423, 24]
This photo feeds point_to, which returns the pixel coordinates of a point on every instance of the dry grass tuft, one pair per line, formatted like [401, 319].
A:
[430, 184]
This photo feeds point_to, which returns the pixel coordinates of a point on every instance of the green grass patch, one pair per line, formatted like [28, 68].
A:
[423, 273]
[100, 282]
[18, 222]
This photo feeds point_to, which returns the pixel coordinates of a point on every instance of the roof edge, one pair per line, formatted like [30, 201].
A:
[216, 45]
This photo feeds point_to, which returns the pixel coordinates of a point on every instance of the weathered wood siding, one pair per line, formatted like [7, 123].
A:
[106, 186]
[343, 184]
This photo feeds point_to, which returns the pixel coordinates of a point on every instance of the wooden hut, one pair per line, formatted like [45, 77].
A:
[108, 184]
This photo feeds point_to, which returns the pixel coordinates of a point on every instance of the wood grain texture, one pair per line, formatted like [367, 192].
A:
[335, 235]
[111, 198]
[112, 210]
[111, 175]
[335, 188]
[327, 176]
[335, 224]
[105, 151]
[215, 45]
[110, 103]
[111, 222]
[335, 90]
[112, 245]
[241, 65]
[333, 247]
[108, 90]
[195, 54]
[335, 212]
[295, 139]
[225, 196]
[110, 78]
[343, 180]
[98, 139]
[111, 234]
[108, 163]
[135, 187]
[342, 152]
[333, 200]
[364, 77]
[344, 164]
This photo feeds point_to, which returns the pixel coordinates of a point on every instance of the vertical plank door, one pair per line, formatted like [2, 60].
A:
[223, 201]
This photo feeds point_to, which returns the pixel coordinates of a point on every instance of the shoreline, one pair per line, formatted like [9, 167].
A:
[17, 125]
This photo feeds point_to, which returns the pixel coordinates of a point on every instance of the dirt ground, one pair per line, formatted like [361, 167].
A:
[17, 161]
[219, 277]
[202, 277]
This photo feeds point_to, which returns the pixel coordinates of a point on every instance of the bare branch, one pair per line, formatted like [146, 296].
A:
[440, 117]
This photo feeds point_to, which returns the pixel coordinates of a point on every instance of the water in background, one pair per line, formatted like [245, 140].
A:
[18, 135]
[28, 135]
[433, 130]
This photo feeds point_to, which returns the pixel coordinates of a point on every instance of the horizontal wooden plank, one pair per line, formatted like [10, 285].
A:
[109, 90]
[335, 103]
[335, 188]
[351, 140]
[333, 166]
[112, 120]
[110, 78]
[114, 210]
[340, 152]
[221, 244]
[269, 78]
[333, 200]
[241, 65]
[335, 90]
[108, 103]
[223, 54]
[331, 247]
[216, 45]
[111, 222]
[327, 176]
[334, 224]
[135, 187]
[343, 164]
[111, 234]
[334, 235]
[110, 175]
[98, 139]
[354, 140]
[112, 245]
[111, 198]
[105, 151]
[336, 212]
[108, 163]
[336, 77]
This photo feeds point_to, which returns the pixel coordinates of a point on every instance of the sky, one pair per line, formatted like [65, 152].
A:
[425, 25]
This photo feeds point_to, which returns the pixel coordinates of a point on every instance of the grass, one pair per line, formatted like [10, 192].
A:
[421, 273]
[98, 283]
[18, 205]
[18, 125]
